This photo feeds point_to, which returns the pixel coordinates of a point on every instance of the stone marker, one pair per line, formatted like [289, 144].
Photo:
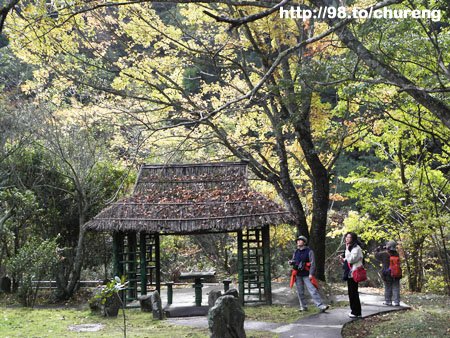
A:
[232, 292]
[146, 302]
[95, 302]
[156, 305]
[226, 318]
[213, 296]
[86, 327]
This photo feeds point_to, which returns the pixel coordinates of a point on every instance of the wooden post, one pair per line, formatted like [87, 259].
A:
[131, 261]
[226, 284]
[117, 253]
[169, 292]
[266, 263]
[240, 267]
[143, 262]
[118, 258]
[198, 291]
[157, 264]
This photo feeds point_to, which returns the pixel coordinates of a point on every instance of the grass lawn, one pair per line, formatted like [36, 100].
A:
[21, 322]
[29, 323]
[45, 321]
[429, 317]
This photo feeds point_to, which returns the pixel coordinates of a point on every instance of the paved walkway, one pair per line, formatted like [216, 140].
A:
[320, 325]
[330, 323]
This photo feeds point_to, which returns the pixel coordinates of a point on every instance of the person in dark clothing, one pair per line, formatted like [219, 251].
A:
[391, 284]
[303, 261]
[353, 258]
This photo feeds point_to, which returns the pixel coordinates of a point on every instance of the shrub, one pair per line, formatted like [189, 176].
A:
[34, 260]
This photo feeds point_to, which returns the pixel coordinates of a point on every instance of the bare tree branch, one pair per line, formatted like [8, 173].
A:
[240, 21]
[434, 105]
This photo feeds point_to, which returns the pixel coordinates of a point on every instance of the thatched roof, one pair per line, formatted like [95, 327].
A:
[190, 198]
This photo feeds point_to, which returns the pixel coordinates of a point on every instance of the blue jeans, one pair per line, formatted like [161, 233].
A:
[300, 282]
[392, 290]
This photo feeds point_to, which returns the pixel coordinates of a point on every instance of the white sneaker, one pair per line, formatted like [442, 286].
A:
[323, 308]
[387, 304]
[351, 315]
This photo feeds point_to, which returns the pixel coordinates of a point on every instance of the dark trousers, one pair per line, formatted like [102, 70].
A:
[353, 296]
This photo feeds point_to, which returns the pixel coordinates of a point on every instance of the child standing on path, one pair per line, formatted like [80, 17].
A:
[390, 277]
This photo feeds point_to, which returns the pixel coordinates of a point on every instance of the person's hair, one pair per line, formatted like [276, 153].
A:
[355, 240]
[353, 236]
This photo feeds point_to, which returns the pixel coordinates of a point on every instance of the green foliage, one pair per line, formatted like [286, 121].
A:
[13, 72]
[35, 260]
[21, 204]
[191, 80]
[282, 245]
[184, 253]
[435, 278]
[401, 201]
[112, 288]
[51, 188]
[435, 284]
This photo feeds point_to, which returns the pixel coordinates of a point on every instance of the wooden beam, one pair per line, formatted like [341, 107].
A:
[267, 264]
[157, 264]
[240, 267]
[117, 252]
[143, 262]
[131, 271]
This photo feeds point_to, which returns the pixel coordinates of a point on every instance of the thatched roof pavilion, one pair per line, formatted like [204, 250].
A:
[190, 199]
[182, 199]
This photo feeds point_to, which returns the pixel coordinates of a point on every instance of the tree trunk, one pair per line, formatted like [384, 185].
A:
[61, 283]
[319, 219]
[16, 279]
[415, 267]
[320, 182]
[292, 202]
[289, 192]
[67, 286]
[443, 256]
[78, 260]
[5, 217]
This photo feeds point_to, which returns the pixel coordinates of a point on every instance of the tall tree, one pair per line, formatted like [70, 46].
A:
[283, 133]
[406, 200]
[278, 75]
